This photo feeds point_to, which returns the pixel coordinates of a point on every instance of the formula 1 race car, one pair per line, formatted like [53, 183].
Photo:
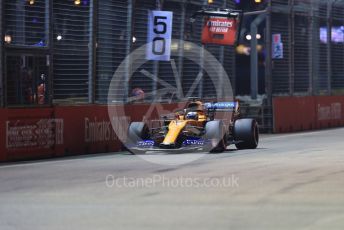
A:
[195, 128]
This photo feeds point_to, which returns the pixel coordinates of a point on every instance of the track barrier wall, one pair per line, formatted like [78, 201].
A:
[38, 133]
[292, 114]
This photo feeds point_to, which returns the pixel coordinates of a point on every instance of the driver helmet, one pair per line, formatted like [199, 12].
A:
[192, 116]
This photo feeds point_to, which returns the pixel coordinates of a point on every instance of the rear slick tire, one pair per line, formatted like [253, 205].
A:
[246, 133]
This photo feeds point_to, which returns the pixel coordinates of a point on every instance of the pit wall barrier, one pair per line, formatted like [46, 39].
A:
[37, 133]
[292, 114]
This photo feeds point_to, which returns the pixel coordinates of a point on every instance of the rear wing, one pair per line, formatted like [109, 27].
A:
[222, 106]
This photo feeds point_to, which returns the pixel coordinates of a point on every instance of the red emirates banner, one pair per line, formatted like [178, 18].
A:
[220, 31]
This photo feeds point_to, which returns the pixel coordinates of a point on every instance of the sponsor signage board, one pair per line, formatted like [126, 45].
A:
[159, 35]
[220, 31]
[277, 46]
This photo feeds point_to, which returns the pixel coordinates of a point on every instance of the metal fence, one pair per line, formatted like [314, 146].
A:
[73, 48]
[313, 38]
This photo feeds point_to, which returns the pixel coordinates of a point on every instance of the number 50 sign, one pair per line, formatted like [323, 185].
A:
[159, 35]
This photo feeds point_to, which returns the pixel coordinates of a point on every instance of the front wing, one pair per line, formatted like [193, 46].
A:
[189, 145]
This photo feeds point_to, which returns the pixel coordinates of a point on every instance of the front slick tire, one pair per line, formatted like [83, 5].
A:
[138, 131]
[246, 133]
[215, 133]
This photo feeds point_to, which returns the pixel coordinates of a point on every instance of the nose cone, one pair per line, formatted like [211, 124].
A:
[174, 130]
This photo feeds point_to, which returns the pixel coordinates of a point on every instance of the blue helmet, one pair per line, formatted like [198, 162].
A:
[192, 116]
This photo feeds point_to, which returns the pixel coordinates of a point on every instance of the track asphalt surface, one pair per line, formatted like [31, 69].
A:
[293, 181]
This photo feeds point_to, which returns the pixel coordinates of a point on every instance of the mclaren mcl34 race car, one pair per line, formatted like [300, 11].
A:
[195, 128]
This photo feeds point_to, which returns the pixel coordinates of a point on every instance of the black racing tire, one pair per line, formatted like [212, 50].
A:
[137, 131]
[246, 133]
[216, 134]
